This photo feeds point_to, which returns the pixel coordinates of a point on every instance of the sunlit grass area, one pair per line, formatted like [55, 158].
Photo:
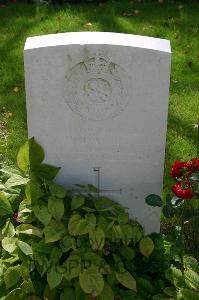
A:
[179, 23]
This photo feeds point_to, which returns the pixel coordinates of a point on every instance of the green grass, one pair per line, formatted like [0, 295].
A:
[180, 25]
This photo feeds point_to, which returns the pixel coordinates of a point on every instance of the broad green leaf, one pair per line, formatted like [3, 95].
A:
[191, 263]
[55, 255]
[54, 278]
[33, 191]
[168, 211]
[91, 258]
[188, 294]
[102, 222]
[91, 220]
[77, 225]
[174, 275]
[144, 285]
[30, 155]
[27, 287]
[9, 244]
[170, 291]
[68, 293]
[51, 235]
[67, 243]
[116, 233]
[54, 231]
[56, 208]
[111, 279]
[12, 259]
[154, 200]
[57, 190]
[91, 188]
[41, 262]
[10, 171]
[137, 233]
[42, 247]
[24, 204]
[29, 229]
[123, 218]
[25, 248]
[127, 233]
[104, 269]
[97, 238]
[77, 202]
[50, 294]
[13, 295]
[42, 213]
[8, 230]
[127, 280]
[192, 279]
[91, 282]
[25, 268]
[72, 267]
[102, 202]
[47, 171]
[12, 276]
[79, 294]
[146, 246]
[5, 207]
[23, 161]
[128, 252]
[107, 293]
[16, 180]
[119, 265]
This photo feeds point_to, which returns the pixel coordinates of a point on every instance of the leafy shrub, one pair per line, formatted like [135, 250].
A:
[59, 243]
[68, 1]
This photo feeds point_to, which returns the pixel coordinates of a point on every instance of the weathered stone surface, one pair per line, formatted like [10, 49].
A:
[101, 100]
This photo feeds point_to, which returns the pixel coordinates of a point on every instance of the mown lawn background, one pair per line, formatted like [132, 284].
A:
[174, 21]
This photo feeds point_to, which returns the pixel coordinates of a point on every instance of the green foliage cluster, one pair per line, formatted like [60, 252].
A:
[59, 243]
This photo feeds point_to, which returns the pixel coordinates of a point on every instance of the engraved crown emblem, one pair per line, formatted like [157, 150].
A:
[97, 64]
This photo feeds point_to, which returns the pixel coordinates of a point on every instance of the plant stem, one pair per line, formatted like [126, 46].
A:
[183, 246]
[198, 138]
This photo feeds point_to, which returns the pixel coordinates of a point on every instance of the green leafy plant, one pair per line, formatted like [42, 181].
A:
[59, 243]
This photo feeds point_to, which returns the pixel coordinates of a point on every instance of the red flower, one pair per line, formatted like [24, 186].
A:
[178, 168]
[195, 163]
[185, 193]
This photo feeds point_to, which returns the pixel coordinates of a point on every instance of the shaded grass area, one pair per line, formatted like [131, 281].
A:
[170, 21]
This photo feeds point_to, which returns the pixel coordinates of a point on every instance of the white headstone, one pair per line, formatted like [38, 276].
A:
[97, 102]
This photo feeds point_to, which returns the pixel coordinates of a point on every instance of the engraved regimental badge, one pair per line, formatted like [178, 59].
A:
[96, 88]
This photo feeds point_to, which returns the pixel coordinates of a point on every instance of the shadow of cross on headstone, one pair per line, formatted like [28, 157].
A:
[97, 171]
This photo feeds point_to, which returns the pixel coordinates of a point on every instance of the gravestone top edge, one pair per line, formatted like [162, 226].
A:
[97, 38]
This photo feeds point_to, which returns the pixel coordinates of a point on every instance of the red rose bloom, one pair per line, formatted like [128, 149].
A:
[186, 193]
[178, 167]
[195, 164]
